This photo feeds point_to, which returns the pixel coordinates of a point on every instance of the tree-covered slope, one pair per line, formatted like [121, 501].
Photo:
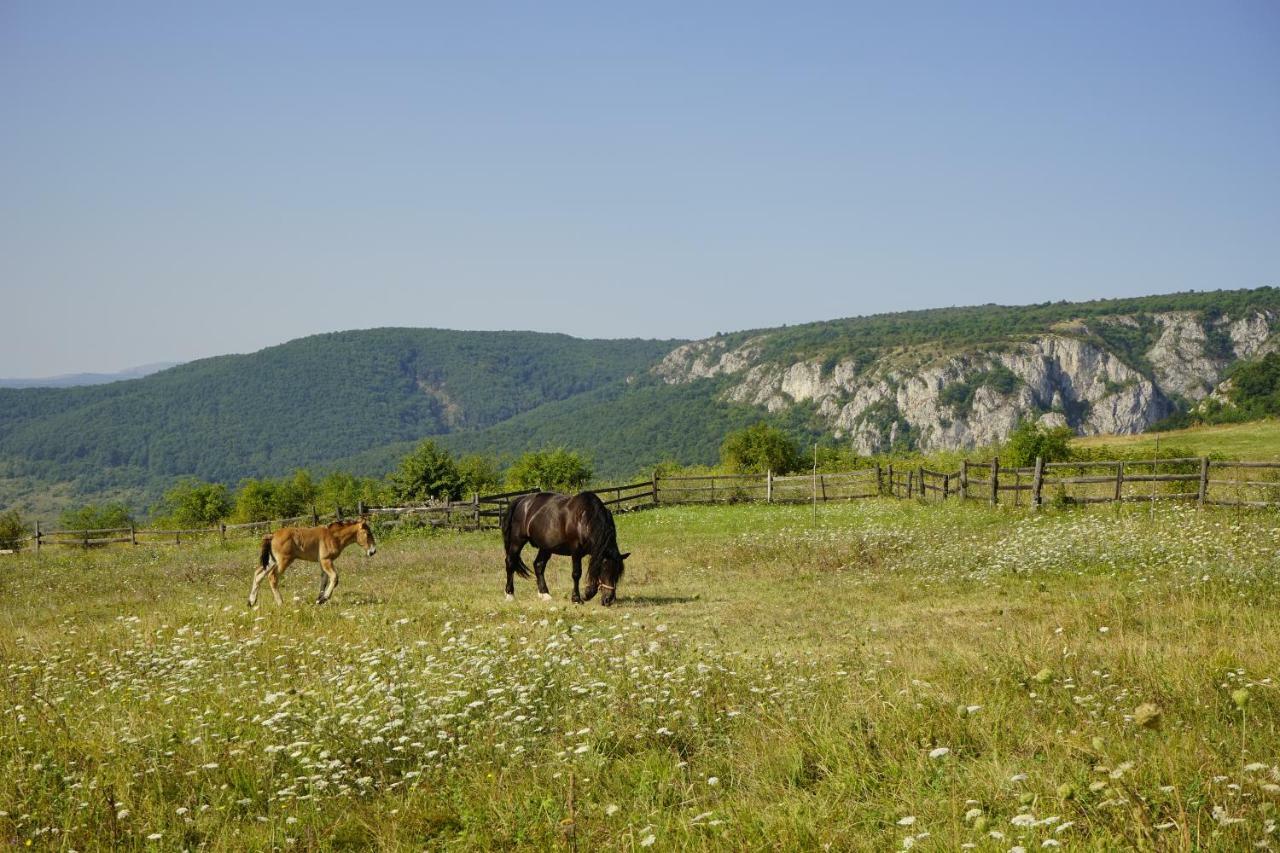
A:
[301, 403]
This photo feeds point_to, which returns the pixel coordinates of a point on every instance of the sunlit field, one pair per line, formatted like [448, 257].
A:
[895, 676]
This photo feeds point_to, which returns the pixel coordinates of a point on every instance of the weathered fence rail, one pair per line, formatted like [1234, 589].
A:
[1254, 485]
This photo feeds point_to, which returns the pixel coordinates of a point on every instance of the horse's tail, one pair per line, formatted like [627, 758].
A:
[508, 532]
[264, 555]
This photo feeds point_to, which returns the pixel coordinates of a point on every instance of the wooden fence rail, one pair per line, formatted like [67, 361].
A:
[1250, 487]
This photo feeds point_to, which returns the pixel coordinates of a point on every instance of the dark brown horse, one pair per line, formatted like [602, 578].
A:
[576, 527]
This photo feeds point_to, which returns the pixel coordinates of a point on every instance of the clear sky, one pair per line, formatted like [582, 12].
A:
[177, 182]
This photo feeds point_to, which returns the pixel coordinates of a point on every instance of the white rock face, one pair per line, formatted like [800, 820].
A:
[1059, 378]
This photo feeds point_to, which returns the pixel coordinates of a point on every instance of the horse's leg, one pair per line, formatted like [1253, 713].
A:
[514, 564]
[593, 580]
[276, 573]
[577, 575]
[257, 579]
[539, 569]
[332, 576]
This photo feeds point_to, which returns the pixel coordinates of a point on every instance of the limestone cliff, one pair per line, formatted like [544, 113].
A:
[1113, 374]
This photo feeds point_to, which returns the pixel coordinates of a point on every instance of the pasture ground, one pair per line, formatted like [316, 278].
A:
[1251, 440]
[898, 675]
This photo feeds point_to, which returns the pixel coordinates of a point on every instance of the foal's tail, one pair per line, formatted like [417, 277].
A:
[264, 555]
[508, 533]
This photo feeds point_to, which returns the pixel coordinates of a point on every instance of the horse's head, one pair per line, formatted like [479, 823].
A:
[611, 568]
[364, 536]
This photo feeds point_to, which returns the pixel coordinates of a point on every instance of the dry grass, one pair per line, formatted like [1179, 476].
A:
[897, 676]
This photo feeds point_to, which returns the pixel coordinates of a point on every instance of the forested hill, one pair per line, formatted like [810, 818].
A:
[943, 378]
[302, 403]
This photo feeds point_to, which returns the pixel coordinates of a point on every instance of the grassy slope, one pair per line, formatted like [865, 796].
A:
[809, 671]
[1258, 440]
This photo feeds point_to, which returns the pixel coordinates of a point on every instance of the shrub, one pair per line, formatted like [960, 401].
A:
[479, 474]
[12, 529]
[96, 517]
[427, 473]
[760, 448]
[1031, 439]
[557, 469]
[192, 503]
[267, 500]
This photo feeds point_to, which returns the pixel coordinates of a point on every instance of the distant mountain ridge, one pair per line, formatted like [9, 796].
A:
[71, 380]
[943, 378]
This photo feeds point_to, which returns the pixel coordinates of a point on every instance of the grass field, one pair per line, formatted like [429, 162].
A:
[896, 676]
[1252, 440]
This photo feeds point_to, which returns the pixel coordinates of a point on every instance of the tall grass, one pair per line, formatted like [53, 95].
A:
[894, 676]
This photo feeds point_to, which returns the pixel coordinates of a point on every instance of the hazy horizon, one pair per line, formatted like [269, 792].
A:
[190, 182]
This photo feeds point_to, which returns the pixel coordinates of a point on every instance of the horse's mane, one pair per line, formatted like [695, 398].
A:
[603, 534]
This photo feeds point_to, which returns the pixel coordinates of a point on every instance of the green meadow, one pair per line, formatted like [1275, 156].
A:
[892, 676]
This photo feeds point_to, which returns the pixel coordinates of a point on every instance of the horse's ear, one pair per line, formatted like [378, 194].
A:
[624, 556]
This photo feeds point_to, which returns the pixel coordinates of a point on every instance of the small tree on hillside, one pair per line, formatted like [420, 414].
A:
[427, 473]
[760, 448]
[12, 529]
[192, 503]
[556, 469]
[1032, 438]
[479, 473]
[96, 517]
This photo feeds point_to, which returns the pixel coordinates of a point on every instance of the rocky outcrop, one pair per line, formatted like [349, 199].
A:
[974, 397]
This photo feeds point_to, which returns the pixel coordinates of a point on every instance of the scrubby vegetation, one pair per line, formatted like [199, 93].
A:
[895, 675]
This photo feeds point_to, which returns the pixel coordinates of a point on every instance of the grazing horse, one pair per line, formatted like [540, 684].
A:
[318, 544]
[578, 526]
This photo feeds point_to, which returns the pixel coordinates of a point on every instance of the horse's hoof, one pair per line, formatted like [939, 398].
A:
[545, 596]
[510, 597]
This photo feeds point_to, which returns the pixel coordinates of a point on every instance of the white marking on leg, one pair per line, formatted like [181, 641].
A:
[510, 597]
[545, 596]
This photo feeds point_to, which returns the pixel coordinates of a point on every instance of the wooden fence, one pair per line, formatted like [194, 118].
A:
[1205, 481]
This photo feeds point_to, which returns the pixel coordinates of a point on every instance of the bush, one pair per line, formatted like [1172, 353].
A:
[95, 517]
[268, 500]
[428, 473]
[340, 490]
[760, 448]
[555, 469]
[1031, 439]
[479, 473]
[192, 503]
[12, 529]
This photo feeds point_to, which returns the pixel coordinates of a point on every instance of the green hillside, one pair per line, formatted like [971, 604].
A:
[359, 400]
[299, 404]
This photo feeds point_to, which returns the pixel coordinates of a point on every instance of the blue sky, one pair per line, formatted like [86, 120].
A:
[182, 182]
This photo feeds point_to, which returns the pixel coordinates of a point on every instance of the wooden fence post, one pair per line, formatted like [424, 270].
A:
[39, 536]
[133, 535]
[655, 486]
[946, 487]
[893, 490]
[879, 482]
[964, 479]
[768, 486]
[315, 516]
[359, 508]
[1119, 482]
[995, 481]
[1204, 481]
[222, 529]
[911, 483]
[1037, 483]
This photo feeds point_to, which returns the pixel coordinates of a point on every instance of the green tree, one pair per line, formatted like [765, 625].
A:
[193, 503]
[554, 468]
[96, 517]
[12, 529]
[339, 489]
[479, 473]
[1031, 439]
[760, 448]
[267, 500]
[427, 473]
